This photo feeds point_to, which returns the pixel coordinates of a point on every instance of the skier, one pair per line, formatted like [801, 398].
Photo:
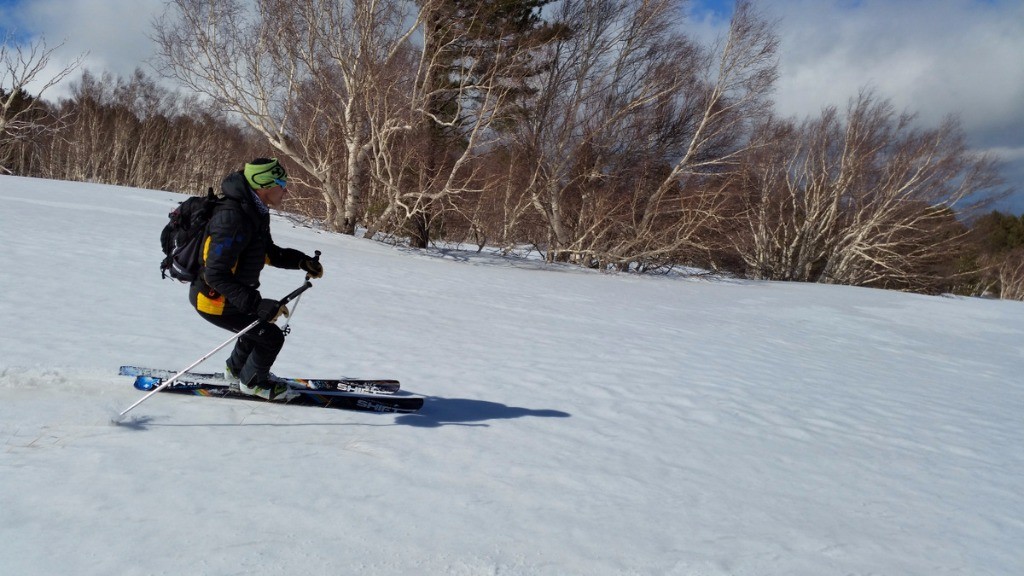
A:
[226, 294]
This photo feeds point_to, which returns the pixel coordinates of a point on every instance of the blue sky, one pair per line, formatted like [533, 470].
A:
[7, 23]
[931, 57]
[719, 8]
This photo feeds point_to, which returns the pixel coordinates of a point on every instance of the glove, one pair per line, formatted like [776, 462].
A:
[269, 310]
[312, 267]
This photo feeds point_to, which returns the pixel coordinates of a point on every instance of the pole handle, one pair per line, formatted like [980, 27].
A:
[316, 258]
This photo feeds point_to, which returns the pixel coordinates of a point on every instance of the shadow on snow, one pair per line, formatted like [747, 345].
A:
[438, 411]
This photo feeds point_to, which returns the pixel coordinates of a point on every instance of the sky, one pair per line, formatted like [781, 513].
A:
[574, 422]
[930, 57]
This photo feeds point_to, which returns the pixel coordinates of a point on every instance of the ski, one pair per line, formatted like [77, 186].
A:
[373, 386]
[342, 384]
[344, 400]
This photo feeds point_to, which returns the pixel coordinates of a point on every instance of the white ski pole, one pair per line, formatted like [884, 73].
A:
[169, 381]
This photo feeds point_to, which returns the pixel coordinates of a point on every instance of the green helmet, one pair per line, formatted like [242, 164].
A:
[265, 173]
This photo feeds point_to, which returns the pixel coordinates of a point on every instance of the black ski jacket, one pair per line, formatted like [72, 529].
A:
[238, 244]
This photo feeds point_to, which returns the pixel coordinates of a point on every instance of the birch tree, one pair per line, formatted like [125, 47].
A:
[260, 60]
[630, 120]
[317, 79]
[24, 80]
[133, 132]
[865, 199]
[426, 154]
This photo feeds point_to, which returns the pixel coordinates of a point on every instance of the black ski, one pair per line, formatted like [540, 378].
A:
[362, 401]
[374, 386]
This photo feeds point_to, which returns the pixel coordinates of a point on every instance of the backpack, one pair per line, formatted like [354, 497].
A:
[183, 236]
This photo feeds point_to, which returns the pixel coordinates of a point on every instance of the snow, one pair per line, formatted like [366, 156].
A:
[575, 422]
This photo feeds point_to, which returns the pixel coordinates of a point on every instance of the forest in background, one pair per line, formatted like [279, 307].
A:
[593, 131]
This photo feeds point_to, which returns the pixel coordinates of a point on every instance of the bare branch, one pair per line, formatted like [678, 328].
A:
[21, 67]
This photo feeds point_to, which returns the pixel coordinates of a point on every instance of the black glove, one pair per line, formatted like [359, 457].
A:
[269, 310]
[312, 267]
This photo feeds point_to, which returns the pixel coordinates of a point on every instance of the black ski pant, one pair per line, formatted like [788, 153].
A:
[255, 351]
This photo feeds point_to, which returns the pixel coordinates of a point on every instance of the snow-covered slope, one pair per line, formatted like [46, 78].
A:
[576, 422]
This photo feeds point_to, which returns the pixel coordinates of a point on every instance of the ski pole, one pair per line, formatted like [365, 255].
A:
[287, 323]
[295, 294]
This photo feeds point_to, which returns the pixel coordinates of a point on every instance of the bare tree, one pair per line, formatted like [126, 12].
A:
[413, 171]
[345, 47]
[22, 87]
[1010, 275]
[133, 132]
[229, 51]
[502, 214]
[630, 122]
[686, 206]
[865, 200]
[297, 72]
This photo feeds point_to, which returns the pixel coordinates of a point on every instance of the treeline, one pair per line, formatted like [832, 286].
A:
[129, 132]
[997, 242]
[594, 131]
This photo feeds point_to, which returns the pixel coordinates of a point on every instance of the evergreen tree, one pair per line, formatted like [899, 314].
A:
[473, 39]
[998, 233]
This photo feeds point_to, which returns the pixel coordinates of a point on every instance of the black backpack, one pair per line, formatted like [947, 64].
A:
[182, 238]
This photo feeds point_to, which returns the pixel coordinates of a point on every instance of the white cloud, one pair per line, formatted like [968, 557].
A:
[933, 57]
[114, 34]
[930, 57]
